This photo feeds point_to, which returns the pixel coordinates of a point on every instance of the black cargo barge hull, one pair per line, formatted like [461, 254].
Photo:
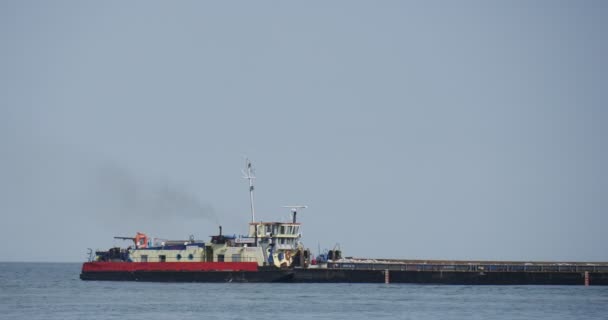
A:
[357, 276]
[449, 277]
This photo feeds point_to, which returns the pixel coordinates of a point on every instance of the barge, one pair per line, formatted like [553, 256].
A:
[273, 252]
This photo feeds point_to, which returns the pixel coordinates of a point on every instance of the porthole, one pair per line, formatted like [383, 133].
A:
[190, 256]
[179, 257]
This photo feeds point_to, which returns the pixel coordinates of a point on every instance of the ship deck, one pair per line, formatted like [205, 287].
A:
[467, 266]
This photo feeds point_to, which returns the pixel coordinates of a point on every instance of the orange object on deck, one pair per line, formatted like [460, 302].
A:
[141, 240]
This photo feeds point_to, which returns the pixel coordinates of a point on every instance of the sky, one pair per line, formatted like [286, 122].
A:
[410, 129]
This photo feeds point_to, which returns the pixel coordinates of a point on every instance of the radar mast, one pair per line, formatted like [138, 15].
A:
[248, 173]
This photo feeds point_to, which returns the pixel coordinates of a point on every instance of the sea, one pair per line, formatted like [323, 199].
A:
[54, 291]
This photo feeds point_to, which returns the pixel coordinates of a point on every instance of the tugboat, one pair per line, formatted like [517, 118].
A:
[269, 252]
[273, 252]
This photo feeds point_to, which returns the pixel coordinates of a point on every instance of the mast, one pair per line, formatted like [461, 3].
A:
[248, 174]
[294, 211]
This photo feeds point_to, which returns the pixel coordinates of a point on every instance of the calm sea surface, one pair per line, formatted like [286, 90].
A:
[54, 291]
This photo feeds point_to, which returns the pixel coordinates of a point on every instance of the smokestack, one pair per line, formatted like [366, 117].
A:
[294, 216]
[220, 230]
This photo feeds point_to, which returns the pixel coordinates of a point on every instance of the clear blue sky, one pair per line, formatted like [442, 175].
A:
[428, 129]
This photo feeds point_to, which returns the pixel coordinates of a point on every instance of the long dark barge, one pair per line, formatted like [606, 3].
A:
[464, 273]
[272, 252]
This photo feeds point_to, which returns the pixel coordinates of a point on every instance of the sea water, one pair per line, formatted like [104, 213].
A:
[54, 291]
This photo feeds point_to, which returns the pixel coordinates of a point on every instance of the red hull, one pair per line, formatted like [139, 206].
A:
[168, 266]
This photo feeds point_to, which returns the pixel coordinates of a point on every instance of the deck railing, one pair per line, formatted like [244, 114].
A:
[469, 267]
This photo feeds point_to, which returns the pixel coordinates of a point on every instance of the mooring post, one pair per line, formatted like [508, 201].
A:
[386, 276]
[586, 278]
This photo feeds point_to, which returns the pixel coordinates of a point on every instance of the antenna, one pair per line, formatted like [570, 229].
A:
[294, 210]
[248, 173]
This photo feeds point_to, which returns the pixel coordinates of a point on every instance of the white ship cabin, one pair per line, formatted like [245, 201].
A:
[267, 243]
[284, 235]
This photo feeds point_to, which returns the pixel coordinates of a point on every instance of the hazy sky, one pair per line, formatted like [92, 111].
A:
[430, 129]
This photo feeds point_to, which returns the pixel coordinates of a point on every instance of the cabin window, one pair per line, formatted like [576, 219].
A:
[162, 258]
[209, 254]
[190, 256]
[236, 258]
[178, 257]
[144, 258]
[282, 230]
[220, 258]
